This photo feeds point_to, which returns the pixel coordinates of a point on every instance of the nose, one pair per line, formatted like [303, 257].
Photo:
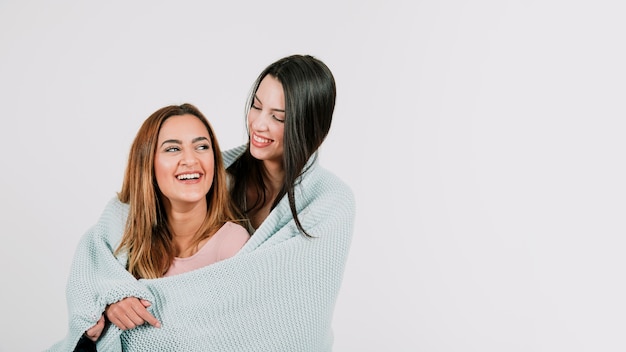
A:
[188, 158]
[258, 120]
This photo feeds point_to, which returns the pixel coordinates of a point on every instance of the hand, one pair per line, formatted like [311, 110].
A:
[130, 313]
[95, 331]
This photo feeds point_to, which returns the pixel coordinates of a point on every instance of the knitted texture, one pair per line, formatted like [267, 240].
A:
[277, 294]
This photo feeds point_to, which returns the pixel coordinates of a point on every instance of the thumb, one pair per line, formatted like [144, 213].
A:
[146, 303]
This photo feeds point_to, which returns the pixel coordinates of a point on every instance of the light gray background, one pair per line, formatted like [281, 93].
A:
[484, 141]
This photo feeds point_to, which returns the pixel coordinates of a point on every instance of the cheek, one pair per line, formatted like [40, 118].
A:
[281, 134]
[161, 169]
[209, 166]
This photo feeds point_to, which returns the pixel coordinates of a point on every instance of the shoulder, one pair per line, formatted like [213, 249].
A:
[233, 229]
[231, 238]
[232, 154]
[115, 212]
[321, 189]
[324, 182]
[109, 228]
[328, 208]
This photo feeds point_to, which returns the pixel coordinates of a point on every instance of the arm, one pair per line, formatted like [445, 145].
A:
[97, 278]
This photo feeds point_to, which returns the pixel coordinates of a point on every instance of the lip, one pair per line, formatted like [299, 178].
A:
[260, 141]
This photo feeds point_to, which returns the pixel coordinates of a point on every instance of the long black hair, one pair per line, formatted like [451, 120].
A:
[310, 93]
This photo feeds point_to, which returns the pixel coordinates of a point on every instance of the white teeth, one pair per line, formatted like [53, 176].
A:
[189, 176]
[261, 140]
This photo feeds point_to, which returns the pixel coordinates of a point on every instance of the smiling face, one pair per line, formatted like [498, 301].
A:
[184, 161]
[266, 122]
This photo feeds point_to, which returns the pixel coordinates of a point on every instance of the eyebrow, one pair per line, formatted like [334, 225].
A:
[178, 141]
[257, 98]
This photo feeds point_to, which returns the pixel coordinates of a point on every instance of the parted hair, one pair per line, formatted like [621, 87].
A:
[147, 236]
[310, 92]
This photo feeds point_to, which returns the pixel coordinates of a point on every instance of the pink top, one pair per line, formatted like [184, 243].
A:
[225, 243]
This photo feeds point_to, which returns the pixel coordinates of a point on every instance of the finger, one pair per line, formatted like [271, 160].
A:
[126, 323]
[95, 331]
[147, 316]
[122, 314]
[92, 338]
[132, 319]
[121, 320]
[130, 313]
[100, 323]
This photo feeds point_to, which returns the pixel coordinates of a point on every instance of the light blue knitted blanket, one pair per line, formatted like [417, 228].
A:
[277, 294]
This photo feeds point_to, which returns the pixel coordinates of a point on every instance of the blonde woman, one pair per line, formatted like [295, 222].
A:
[180, 217]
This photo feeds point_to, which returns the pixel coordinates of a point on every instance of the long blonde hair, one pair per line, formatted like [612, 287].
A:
[147, 237]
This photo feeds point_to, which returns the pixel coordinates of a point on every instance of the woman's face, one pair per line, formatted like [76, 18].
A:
[266, 122]
[184, 161]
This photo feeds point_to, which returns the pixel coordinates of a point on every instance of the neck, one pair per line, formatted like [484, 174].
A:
[274, 177]
[184, 224]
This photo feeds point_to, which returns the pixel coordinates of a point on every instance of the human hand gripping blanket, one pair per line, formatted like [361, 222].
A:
[277, 294]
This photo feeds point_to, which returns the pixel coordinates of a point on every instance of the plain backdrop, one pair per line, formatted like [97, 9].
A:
[484, 141]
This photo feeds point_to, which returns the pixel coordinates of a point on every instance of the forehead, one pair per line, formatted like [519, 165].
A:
[182, 127]
[270, 90]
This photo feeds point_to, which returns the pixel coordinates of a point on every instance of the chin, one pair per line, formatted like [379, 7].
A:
[257, 154]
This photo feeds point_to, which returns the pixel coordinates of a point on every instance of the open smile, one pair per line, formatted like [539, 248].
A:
[192, 176]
